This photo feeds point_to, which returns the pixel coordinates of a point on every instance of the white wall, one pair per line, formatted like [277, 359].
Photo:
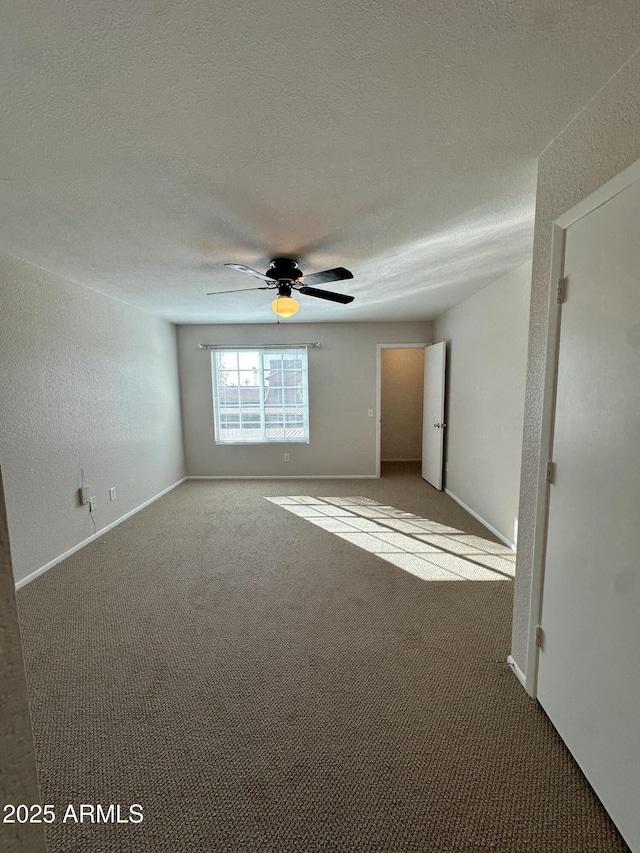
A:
[86, 382]
[603, 139]
[342, 386]
[487, 361]
[19, 778]
[402, 373]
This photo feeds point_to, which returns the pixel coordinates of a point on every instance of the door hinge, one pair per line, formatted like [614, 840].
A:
[561, 290]
[539, 636]
[551, 467]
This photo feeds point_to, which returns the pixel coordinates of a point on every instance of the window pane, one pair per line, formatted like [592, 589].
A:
[227, 360]
[260, 395]
[249, 360]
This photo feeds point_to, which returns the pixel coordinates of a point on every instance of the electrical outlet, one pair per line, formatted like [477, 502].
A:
[84, 495]
[93, 503]
[369, 413]
[112, 493]
[286, 457]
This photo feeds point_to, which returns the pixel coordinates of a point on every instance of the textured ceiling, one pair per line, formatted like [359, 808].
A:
[145, 144]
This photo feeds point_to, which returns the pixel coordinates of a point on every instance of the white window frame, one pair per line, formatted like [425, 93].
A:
[284, 352]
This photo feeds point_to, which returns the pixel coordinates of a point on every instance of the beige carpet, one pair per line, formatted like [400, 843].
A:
[259, 684]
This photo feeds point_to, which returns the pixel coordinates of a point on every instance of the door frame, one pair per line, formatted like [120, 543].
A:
[378, 410]
[587, 205]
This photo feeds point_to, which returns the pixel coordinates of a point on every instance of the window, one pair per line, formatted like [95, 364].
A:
[260, 395]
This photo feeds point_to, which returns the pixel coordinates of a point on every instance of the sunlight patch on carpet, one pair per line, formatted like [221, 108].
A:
[421, 546]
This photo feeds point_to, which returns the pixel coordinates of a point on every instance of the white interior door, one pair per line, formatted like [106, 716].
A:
[433, 414]
[589, 664]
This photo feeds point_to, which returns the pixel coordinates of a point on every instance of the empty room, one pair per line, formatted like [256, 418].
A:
[319, 341]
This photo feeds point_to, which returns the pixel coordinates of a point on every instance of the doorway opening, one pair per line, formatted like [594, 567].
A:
[399, 406]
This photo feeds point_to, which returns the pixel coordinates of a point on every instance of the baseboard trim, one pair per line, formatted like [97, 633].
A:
[401, 460]
[519, 674]
[93, 537]
[282, 477]
[481, 520]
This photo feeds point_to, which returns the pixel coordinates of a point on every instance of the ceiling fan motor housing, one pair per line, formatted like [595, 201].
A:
[284, 269]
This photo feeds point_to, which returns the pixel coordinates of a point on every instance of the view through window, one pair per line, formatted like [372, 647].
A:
[260, 395]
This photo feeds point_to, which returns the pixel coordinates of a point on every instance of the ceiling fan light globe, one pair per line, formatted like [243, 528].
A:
[285, 306]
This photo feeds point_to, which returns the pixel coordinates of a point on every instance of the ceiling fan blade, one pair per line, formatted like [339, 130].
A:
[326, 294]
[337, 274]
[240, 290]
[249, 271]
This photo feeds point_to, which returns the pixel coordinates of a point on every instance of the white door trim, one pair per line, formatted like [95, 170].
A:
[377, 413]
[596, 199]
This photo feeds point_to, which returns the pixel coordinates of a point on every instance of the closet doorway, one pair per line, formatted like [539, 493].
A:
[400, 403]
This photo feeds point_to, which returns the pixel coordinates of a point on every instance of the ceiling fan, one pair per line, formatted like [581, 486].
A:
[283, 275]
